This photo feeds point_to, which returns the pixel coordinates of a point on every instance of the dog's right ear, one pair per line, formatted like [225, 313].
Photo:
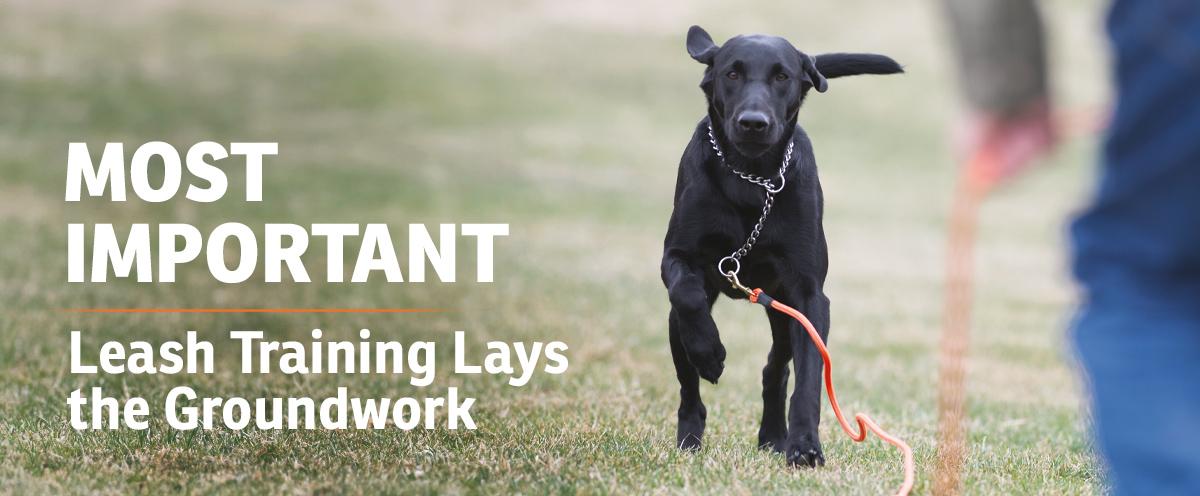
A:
[700, 45]
[835, 65]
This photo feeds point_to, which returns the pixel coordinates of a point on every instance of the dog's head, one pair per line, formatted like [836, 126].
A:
[756, 83]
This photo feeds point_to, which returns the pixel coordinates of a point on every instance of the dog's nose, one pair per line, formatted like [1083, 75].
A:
[753, 121]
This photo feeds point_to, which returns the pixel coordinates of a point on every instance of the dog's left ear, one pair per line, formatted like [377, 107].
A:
[811, 74]
[700, 45]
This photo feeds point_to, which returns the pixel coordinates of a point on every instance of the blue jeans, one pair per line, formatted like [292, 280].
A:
[1137, 256]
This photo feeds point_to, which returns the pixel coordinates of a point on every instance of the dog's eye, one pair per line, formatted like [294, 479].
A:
[781, 77]
[732, 75]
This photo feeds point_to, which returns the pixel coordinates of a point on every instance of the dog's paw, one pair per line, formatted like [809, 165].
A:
[691, 428]
[805, 454]
[709, 360]
[687, 441]
[773, 432]
[772, 441]
[775, 445]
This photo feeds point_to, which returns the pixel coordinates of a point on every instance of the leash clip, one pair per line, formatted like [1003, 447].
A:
[733, 280]
[731, 275]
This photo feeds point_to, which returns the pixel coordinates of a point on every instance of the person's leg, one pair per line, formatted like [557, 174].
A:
[1137, 256]
[1145, 383]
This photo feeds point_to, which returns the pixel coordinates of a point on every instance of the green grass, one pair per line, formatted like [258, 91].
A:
[567, 124]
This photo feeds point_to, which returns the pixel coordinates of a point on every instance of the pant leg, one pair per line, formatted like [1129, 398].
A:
[1137, 256]
[1145, 384]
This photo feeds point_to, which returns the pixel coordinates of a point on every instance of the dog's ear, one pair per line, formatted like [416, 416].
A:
[700, 45]
[834, 65]
[812, 75]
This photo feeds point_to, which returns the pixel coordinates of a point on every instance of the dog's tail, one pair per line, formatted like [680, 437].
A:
[833, 65]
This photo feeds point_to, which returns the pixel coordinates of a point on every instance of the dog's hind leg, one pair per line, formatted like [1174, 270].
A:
[804, 415]
[692, 414]
[772, 433]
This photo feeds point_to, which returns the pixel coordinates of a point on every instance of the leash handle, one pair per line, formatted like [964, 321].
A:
[981, 174]
[865, 423]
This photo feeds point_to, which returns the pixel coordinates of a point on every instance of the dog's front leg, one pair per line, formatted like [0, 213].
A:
[692, 414]
[804, 417]
[691, 304]
[695, 348]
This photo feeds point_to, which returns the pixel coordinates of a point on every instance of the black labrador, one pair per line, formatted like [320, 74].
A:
[754, 85]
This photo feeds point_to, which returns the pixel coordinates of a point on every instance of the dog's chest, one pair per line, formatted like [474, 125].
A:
[789, 244]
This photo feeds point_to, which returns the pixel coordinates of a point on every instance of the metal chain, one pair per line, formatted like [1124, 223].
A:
[768, 202]
[754, 179]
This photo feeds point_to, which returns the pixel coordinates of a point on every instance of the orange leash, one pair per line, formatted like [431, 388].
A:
[977, 179]
[864, 422]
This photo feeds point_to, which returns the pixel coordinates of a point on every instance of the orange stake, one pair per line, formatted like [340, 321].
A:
[864, 422]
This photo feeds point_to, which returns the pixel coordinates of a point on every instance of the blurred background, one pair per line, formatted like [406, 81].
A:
[565, 120]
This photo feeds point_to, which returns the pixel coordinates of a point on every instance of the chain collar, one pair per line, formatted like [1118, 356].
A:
[753, 179]
[769, 187]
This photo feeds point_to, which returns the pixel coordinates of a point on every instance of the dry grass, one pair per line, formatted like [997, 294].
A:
[566, 122]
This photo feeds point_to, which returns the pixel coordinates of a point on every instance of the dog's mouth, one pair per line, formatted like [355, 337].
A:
[751, 148]
[752, 144]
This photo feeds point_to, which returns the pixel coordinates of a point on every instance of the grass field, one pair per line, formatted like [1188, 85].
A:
[566, 122]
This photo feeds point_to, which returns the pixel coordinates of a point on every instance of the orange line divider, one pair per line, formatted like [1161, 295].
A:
[253, 310]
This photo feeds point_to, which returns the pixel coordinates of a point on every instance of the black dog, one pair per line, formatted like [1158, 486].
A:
[754, 85]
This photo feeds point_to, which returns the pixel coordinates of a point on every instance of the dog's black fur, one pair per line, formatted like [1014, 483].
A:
[755, 85]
